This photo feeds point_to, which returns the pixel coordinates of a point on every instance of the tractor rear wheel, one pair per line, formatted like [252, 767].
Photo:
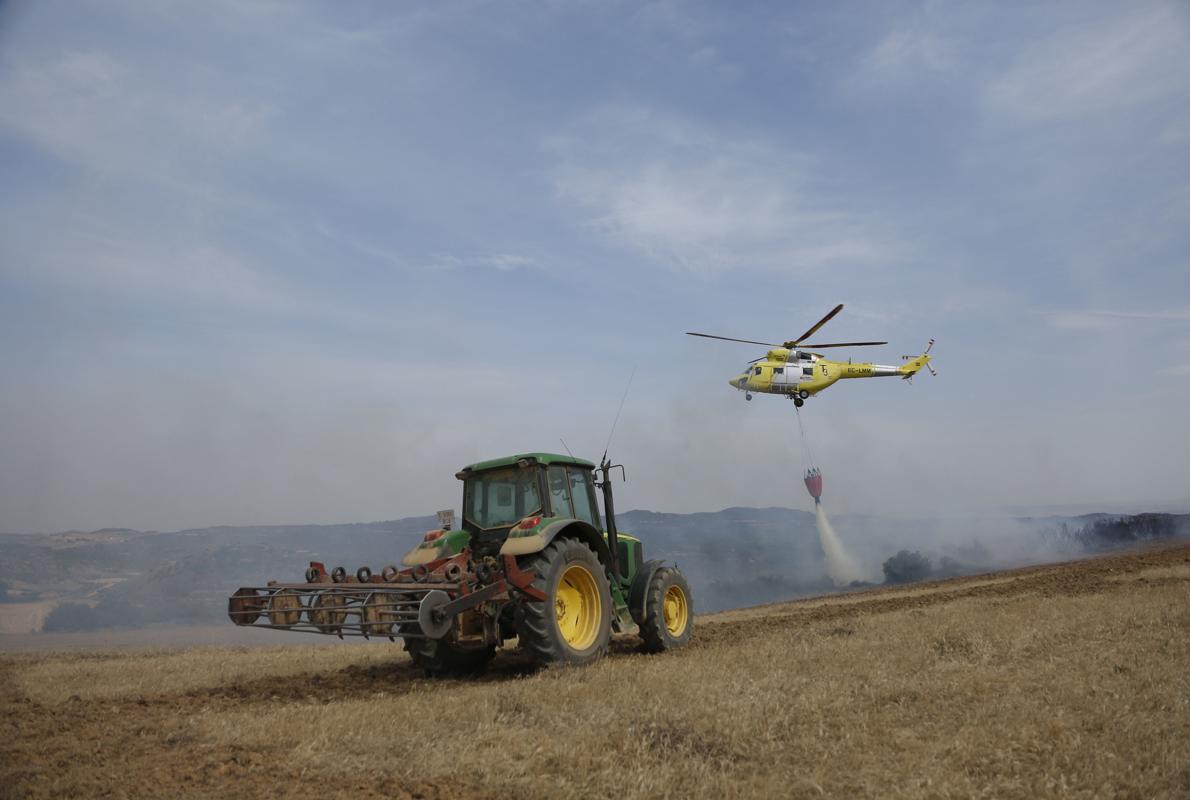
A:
[443, 657]
[573, 624]
[669, 614]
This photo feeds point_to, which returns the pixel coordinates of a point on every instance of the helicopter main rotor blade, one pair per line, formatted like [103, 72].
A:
[842, 344]
[729, 339]
[812, 331]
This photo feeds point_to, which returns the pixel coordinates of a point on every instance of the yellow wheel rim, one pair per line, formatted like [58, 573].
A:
[578, 607]
[676, 610]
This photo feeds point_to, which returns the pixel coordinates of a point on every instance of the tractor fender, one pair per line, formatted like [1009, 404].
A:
[573, 528]
[446, 544]
[640, 585]
[424, 555]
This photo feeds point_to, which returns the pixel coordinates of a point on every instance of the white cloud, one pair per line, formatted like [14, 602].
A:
[1083, 321]
[112, 116]
[502, 262]
[1101, 320]
[699, 201]
[202, 273]
[1134, 58]
[80, 251]
[905, 53]
[976, 299]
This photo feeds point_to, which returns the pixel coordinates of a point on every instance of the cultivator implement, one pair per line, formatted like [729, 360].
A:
[337, 610]
[392, 605]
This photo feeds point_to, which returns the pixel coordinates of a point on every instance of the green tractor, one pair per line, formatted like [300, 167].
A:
[531, 562]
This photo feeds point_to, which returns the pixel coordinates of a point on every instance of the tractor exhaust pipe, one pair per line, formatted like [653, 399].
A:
[609, 509]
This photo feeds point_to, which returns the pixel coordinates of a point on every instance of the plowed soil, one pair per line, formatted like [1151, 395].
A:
[1061, 680]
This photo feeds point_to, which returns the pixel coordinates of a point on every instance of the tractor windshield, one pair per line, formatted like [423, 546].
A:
[499, 497]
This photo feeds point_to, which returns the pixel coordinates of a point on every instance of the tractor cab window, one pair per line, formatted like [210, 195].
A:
[582, 492]
[559, 492]
[499, 497]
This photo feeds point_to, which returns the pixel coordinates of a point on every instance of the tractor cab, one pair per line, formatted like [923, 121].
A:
[510, 493]
[510, 503]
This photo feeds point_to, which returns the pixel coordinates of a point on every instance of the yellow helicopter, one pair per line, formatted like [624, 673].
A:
[791, 369]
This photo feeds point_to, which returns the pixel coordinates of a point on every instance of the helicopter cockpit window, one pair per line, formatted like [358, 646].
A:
[499, 497]
[756, 371]
[807, 370]
[778, 370]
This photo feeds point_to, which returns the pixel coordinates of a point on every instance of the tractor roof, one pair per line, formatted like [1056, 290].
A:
[540, 458]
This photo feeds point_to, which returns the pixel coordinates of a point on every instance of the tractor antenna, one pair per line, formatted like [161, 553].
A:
[612, 432]
[563, 441]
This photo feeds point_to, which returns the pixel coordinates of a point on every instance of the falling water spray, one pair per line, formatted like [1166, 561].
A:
[840, 566]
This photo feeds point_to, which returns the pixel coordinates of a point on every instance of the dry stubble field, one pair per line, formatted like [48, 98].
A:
[1067, 680]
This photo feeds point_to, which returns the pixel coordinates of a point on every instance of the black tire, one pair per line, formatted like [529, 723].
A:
[799, 402]
[444, 657]
[537, 622]
[658, 633]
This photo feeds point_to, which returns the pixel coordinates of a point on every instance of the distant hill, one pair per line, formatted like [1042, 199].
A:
[733, 557]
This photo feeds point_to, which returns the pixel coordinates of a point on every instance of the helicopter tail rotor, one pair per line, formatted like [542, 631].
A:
[914, 364]
[930, 366]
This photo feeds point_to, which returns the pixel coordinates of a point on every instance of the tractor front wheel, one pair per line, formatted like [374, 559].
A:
[573, 624]
[669, 614]
[443, 657]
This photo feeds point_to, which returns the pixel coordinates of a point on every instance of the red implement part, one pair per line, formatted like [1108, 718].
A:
[522, 579]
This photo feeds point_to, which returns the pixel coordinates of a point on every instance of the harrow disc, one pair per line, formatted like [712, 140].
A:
[430, 625]
[327, 613]
[285, 608]
[244, 606]
[378, 614]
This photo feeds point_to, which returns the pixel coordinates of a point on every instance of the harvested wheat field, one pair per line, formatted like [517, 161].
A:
[1068, 680]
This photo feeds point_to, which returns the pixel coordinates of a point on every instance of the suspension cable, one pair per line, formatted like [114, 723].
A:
[806, 453]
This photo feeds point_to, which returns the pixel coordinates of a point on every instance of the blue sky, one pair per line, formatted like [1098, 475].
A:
[285, 262]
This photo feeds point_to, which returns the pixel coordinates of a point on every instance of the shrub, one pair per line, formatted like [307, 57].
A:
[109, 613]
[907, 567]
[71, 617]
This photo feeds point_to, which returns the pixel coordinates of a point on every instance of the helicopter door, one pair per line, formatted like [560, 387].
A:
[784, 377]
